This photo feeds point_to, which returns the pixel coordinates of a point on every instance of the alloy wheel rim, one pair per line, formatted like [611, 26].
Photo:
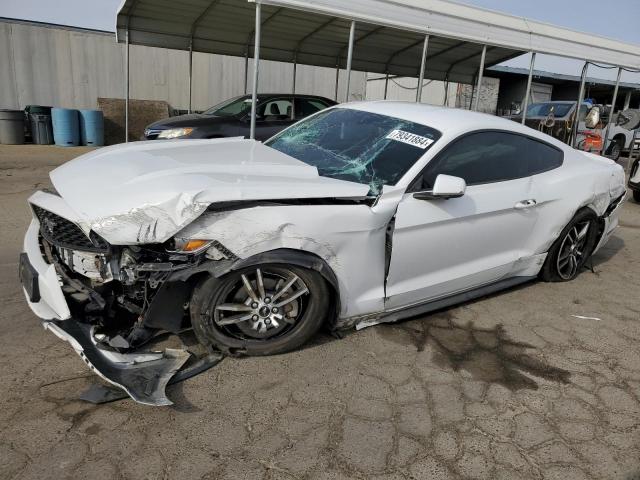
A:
[571, 253]
[262, 304]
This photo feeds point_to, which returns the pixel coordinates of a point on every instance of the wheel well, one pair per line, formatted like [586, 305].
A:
[299, 258]
[599, 222]
[620, 137]
[586, 207]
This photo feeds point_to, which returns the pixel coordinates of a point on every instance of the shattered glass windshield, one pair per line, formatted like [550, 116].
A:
[357, 146]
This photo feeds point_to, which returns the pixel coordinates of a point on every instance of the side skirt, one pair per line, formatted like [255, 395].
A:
[413, 310]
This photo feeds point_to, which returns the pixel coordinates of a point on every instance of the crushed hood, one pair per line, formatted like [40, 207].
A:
[144, 192]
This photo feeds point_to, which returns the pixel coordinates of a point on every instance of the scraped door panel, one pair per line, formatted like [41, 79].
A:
[441, 247]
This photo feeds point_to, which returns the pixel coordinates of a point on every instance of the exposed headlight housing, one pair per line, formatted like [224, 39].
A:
[190, 245]
[175, 132]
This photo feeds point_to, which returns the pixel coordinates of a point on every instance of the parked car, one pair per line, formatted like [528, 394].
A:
[362, 213]
[556, 119]
[231, 118]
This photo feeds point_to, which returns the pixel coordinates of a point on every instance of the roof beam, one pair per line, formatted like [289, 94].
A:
[402, 50]
[462, 60]
[447, 50]
[203, 14]
[359, 39]
[262, 24]
[311, 34]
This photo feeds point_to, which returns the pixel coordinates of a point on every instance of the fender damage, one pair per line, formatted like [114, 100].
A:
[105, 274]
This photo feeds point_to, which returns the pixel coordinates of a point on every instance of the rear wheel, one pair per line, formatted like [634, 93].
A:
[261, 310]
[636, 195]
[570, 251]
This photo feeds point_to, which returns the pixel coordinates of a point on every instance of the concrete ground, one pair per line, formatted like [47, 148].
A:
[538, 382]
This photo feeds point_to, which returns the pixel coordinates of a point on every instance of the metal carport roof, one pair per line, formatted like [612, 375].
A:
[384, 36]
[388, 38]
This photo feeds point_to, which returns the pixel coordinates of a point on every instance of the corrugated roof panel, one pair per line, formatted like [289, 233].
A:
[388, 35]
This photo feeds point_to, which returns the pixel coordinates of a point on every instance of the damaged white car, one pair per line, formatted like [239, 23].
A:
[363, 213]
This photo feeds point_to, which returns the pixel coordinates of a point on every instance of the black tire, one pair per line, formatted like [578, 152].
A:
[636, 195]
[268, 334]
[615, 148]
[555, 268]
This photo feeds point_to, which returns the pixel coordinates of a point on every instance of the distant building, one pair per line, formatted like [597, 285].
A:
[554, 86]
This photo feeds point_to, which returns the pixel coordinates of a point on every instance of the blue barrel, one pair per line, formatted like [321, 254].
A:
[91, 128]
[66, 127]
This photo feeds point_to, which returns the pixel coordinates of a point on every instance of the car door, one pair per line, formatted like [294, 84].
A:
[272, 116]
[441, 247]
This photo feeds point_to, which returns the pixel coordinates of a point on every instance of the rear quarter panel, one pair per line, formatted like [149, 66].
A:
[584, 180]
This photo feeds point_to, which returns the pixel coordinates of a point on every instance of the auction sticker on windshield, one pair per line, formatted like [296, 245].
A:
[410, 138]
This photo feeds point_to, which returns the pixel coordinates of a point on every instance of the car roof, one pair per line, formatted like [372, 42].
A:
[449, 121]
[267, 96]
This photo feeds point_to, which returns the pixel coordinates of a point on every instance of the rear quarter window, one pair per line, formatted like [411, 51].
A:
[541, 157]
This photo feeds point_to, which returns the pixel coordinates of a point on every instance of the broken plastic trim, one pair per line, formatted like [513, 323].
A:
[99, 394]
[143, 375]
[614, 205]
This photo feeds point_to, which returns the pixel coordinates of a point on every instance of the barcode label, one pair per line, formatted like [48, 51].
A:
[410, 139]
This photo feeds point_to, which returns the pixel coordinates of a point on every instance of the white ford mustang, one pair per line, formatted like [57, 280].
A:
[363, 213]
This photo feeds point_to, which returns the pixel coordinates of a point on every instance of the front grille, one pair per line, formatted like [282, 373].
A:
[63, 233]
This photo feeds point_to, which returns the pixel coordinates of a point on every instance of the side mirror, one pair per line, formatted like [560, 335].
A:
[593, 118]
[445, 186]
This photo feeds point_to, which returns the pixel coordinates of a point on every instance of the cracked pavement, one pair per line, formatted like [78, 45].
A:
[513, 386]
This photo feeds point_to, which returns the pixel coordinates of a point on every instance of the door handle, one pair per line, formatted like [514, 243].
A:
[525, 204]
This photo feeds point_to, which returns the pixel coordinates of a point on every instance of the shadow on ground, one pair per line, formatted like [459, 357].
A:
[489, 355]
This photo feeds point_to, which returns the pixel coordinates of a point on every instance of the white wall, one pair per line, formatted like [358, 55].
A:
[404, 89]
[71, 68]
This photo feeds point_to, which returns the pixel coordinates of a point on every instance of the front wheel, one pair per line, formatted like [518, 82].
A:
[570, 251]
[636, 195]
[261, 310]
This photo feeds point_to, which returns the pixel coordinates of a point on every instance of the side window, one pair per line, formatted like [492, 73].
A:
[541, 157]
[486, 157]
[308, 106]
[276, 109]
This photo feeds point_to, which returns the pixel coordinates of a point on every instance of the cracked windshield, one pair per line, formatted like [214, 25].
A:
[357, 146]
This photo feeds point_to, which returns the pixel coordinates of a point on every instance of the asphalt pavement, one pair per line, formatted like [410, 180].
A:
[537, 382]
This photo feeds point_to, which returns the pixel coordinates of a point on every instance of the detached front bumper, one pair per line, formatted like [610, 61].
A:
[142, 375]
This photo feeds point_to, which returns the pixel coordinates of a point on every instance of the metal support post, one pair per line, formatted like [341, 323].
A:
[423, 62]
[527, 93]
[480, 72]
[352, 32]
[190, 71]
[576, 120]
[256, 63]
[386, 85]
[612, 112]
[126, 94]
[246, 71]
